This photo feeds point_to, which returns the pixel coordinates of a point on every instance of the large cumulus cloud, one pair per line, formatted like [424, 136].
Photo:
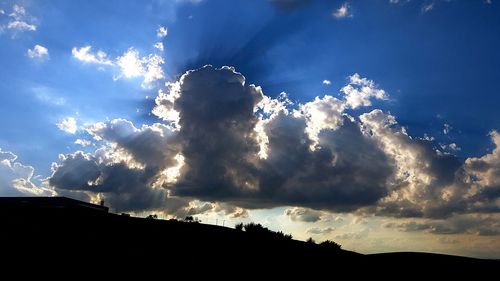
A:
[223, 140]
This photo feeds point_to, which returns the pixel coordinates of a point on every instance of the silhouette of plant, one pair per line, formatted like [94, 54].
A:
[256, 228]
[189, 219]
[331, 245]
[152, 216]
[239, 226]
[310, 240]
[284, 236]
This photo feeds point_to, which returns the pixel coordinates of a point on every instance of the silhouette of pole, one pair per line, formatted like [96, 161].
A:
[215, 221]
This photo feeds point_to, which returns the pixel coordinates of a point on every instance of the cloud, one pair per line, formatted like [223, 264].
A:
[38, 51]
[317, 230]
[68, 125]
[16, 179]
[20, 20]
[485, 176]
[343, 11]
[484, 225]
[231, 211]
[447, 128]
[303, 215]
[218, 121]
[84, 54]
[427, 7]
[162, 32]
[21, 26]
[132, 65]
[327, 82]
[83, 142]
[159, 46]
[223, 141]
[353, 235]
[360, 91]
[127, 171]
[450, 147]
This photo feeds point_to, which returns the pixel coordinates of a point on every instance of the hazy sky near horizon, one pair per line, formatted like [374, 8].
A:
[371, 123]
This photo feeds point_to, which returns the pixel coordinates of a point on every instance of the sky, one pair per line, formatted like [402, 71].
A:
[371, 123]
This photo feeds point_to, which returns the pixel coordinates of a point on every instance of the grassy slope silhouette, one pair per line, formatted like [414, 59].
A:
[69, 234]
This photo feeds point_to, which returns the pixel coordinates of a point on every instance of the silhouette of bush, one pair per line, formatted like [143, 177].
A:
[239, 226]
[152, 216]
[192, 219]
[330, 245]
[310, 240]
[256, 228]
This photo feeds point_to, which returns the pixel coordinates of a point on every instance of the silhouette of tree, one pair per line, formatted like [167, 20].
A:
[331, 245]
[152, 216]
[239, 226]
[189, 219]
[284, 236]
[310, 240]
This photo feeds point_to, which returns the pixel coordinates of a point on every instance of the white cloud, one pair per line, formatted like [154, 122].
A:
[16, 179]
[343, 12]
[427, 7]
[454, 146]
[321, 114]
[486, 169]
[83, 142]
[159, 46]
[165, 102]
[132, 65]
[162, 32]
[38, 51]
[21, 20]
[21, 25]
[327, 82]
[447, 128]
[359, 92]
[68, 125]
[84, 54]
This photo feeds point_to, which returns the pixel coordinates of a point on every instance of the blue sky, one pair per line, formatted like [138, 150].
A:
[436, 61]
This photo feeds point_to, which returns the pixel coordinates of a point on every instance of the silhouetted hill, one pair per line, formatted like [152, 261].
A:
[63, 231]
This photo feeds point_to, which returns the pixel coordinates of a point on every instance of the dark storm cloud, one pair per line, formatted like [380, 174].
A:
[226, 142]
[154, 146]
[220, 147]
[217, 134]
[122, 187]
[335, 176]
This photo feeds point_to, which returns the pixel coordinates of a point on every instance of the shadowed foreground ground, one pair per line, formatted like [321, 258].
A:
[70, 235]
